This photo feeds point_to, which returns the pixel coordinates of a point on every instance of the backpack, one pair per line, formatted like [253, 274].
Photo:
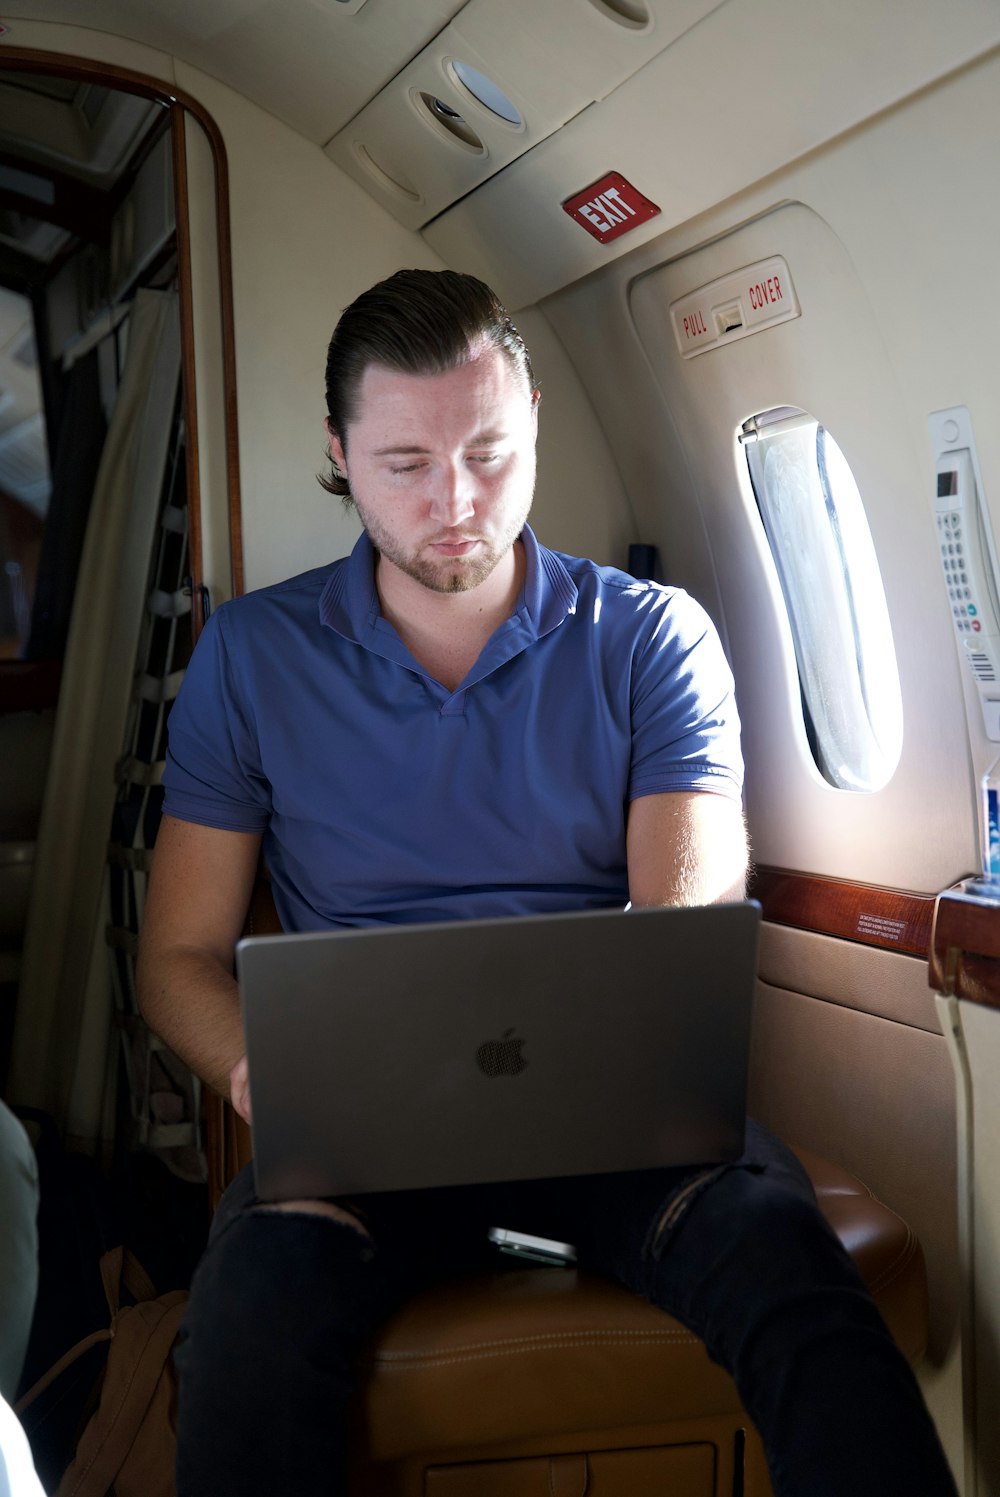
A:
[127, 1447]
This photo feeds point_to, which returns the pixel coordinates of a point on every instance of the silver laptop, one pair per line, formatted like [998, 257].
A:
[460, 1053]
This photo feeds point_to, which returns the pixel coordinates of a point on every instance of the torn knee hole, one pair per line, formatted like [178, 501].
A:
[317, 1208]
[687, 1193]
[677, 1205]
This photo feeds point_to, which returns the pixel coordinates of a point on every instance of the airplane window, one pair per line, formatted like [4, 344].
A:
[822, 547]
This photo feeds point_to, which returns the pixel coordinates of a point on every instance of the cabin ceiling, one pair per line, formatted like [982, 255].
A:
[689, 101]
[312, 63]
[389, 89]
[375, 82]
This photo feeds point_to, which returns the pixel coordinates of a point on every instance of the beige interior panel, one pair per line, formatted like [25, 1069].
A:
[877, 1097]
[883, 983]
[580, 502]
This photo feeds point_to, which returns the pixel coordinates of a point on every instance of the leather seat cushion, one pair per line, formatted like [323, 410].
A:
[550, 1351]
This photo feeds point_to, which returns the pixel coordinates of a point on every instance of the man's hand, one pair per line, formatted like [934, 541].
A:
[239, 1089]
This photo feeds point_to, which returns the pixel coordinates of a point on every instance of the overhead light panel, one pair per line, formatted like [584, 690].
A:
[486, 92]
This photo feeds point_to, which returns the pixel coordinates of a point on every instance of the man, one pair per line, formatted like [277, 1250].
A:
[455, 721]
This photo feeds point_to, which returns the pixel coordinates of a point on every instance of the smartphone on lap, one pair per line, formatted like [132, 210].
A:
[534, 1249]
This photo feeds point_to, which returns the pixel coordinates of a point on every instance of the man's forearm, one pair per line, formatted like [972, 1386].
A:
[192, 1003]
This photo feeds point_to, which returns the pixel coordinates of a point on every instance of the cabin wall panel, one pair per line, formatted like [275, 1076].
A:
[929, 328]
[580, 501]
[828, 362]
[883, 983]
[878, 1098]
[911, 202]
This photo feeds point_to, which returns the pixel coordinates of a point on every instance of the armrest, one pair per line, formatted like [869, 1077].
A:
[965, 943]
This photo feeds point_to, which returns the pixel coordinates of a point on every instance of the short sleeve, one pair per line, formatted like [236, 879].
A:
[685, 725]
[213, 773]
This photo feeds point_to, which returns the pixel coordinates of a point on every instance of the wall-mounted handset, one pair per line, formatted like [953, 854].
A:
[968, 556]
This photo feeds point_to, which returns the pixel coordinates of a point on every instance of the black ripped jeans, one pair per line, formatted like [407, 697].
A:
[281, 1304]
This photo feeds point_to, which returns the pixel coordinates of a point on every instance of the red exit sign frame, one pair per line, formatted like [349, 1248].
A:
[610, 207]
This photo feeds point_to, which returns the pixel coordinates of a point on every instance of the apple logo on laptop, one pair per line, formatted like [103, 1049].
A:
[501, 1057]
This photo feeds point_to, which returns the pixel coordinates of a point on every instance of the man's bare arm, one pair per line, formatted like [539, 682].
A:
[199, 890]
[685, 848]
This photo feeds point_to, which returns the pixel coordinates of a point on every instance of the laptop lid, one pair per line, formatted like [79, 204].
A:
[459, 1053]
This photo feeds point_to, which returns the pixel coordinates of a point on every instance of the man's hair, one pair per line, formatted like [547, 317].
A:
[416, 322]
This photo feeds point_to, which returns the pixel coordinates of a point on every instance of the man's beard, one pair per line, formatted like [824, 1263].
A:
[449, 574]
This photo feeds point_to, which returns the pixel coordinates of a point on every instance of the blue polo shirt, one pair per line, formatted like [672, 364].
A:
[384, 797]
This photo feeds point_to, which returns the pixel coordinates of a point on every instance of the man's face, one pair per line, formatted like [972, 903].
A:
[442, 467]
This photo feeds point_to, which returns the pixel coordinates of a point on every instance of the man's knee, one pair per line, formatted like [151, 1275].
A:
[279, 1273]
[307, 1207]
[744, 1208]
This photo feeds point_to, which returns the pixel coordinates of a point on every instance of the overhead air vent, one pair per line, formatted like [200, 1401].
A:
[448, 121]
[626, 12]
[392, 182]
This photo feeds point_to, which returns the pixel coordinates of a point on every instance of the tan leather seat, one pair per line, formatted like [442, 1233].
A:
[471, 1388]
[548, 1382]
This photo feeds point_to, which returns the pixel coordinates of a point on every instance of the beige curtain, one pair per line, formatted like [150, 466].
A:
[62, 1047]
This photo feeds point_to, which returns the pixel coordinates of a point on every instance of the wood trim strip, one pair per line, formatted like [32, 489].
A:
[224, 249]
[33, 60]
[182, 219]
[890, 919]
